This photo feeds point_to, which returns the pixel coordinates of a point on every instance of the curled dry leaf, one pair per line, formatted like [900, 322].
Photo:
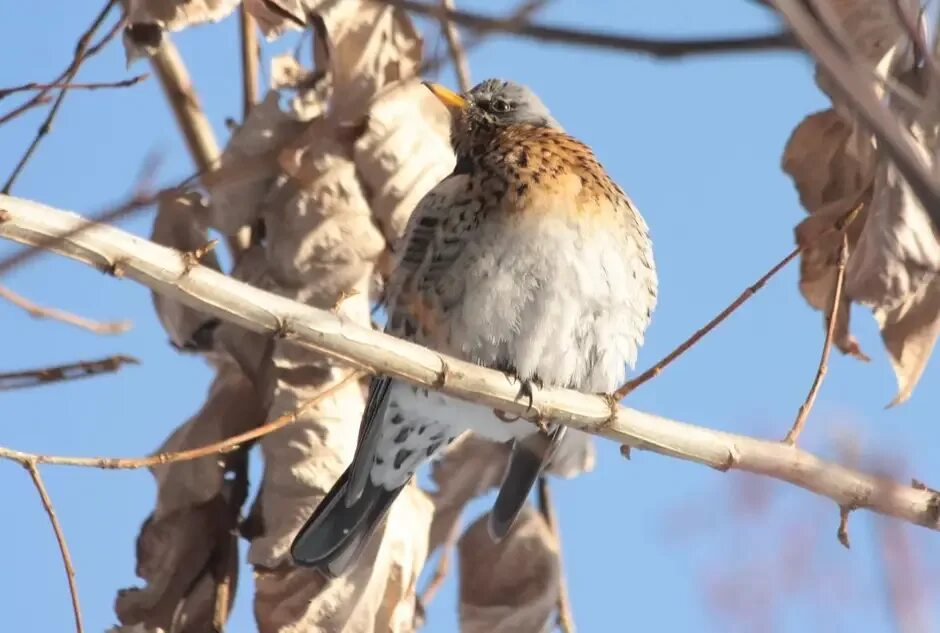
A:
[512, 586]
[187, 549]
[404, 151]
[894, 249]
[370, 45]
[249, 166]
[276, 16]
[148, 19]
[180, 223]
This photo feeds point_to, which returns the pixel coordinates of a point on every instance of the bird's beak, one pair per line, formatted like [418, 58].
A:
[446, 96]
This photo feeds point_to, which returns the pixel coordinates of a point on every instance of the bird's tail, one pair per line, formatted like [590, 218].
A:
[332, 539]
[529, 457]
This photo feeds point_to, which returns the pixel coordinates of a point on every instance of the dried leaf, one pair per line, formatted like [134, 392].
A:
[894, 272]
[894, 249]
[274, 22]
[371, 45]
[403, 153]
[320, 236]
[512, 586]
[188, 545]
[148, 19]
[248, 166]
[180, 223]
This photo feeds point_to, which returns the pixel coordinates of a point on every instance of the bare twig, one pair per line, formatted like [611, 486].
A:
[216, 448]
[655, 47]
[162, 270]
[82, 52]
[823, 367]
[547, 508]
[40, 312]
[442, 568]
[31, 468]
[518, 17]
[457, 53]
[94, 85]
[749, 292]
[35, 102]
[249, 50]
[60, 373]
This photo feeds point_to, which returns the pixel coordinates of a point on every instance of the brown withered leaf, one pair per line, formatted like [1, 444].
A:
[370, 45]
[321, 237]
[148, 19]
[248, 166]
[188, 545]
[276, 16]
[180, 223]
[403, 153]
[894, 271]
[832, 166]
[871, 29]
[512, 586]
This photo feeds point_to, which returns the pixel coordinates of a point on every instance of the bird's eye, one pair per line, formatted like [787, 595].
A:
[500, 106]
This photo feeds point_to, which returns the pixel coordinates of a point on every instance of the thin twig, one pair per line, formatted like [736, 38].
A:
[42, 95]
[457, 53]
[248, 39]
[93, 85]
[35, 102]
[749, 292]
[547, 508]
[60, 373]
[442, 568]
[41, 312]
[823, 367]
[82, 52]
[655, 47]
[31, 468]
[518, 17]
[222, 446]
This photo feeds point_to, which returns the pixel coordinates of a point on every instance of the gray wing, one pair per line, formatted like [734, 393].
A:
[427, 250]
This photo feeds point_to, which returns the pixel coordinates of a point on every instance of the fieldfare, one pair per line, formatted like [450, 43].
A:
[528, 258]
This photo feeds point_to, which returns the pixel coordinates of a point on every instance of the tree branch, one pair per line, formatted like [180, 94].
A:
[59, 373]
[164, 270]
[40, 312]
[61, 85]
[33, 470]
[654, 47]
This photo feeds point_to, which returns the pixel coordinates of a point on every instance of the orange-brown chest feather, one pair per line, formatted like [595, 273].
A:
[544, 170]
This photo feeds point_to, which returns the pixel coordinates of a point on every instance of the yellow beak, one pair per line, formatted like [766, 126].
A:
[446, 96]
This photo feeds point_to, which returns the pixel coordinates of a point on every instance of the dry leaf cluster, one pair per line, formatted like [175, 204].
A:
[837, 165]
[325, 170]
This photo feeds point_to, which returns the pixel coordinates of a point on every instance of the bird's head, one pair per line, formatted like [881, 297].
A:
[488, 107]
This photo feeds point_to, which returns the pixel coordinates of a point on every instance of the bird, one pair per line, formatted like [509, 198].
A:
[528, 258]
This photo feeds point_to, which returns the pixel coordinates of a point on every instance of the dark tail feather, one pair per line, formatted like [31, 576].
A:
[529, 457]
[332, 539]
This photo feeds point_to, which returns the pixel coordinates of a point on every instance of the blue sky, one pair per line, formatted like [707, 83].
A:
[649, 543]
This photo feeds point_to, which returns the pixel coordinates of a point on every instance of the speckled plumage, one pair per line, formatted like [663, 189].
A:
[528, 258]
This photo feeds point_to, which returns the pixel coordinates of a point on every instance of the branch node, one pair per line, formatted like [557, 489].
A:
[117, 268]
[625, 451]
[192, 258]
[733, 458]
[843, 532]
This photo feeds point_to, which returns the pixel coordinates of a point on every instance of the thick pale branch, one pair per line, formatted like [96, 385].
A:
[165, 271]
